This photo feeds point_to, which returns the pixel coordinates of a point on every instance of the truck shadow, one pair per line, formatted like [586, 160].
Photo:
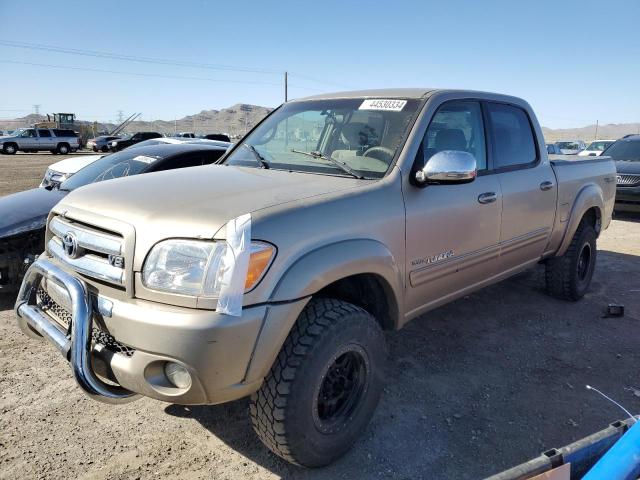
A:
[484, 383]
[7, 301]
[627, 217]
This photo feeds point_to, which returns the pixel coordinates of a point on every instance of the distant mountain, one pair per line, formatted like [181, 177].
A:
[588, 133]
[235, 121]
[232, 120]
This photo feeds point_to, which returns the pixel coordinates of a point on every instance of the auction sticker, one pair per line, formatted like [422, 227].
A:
[383, 104]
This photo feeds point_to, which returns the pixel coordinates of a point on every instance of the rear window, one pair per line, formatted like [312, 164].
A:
[44, 133]
[58, 132]
[624, 150]
[513, 142]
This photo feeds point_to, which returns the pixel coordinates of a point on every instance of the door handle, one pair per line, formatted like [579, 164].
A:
[546, 185]
[487, 197]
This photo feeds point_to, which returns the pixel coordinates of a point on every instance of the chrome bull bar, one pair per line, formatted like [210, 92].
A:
[77, 349]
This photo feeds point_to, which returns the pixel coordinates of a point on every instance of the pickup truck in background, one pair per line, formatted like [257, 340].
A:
[275, 272]
[55, 140]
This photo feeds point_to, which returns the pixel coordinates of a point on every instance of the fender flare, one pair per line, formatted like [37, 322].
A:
[318, 268]
[589, 197]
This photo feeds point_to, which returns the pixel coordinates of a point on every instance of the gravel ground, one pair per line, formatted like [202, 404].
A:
[473, 388]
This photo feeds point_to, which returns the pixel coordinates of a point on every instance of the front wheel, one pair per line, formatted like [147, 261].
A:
[10, 148]
[324, 386]
[568, 277]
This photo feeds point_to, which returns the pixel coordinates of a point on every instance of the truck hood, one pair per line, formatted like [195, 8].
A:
[25, 211]
[628, 166]
[196, 202]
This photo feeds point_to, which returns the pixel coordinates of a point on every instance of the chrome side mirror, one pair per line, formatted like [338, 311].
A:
[448, 166]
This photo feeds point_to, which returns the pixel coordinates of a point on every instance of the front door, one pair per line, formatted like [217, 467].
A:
[529, 190]
[453, 231]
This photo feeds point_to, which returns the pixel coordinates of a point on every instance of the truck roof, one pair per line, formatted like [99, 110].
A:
[414, 93]
[380, 92]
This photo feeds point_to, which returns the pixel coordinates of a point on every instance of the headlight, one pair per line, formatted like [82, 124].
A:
[197, 268]
[113, 144]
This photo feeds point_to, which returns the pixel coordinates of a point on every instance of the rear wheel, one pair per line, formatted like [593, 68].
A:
[324, 386]
[63, 149]
[568, 277]
[10, 148]
[104, 149]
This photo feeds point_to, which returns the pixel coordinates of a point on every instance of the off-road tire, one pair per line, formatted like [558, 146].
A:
[63, 149]
[10, 149]
[286, 412]
[567, 277]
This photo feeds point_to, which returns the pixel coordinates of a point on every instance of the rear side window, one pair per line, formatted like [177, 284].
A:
[181, 161]
[44, 133]
[513, 142]
[59, 132]
[212, 155]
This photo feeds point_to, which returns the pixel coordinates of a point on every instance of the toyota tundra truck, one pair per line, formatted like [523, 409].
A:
[274, 273]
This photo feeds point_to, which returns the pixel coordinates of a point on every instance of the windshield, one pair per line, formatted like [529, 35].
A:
[116, 165]
[624, 150]
[310, 136]
[599, 145]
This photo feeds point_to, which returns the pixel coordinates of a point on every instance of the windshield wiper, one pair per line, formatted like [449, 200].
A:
[341, 165]
[261, 160]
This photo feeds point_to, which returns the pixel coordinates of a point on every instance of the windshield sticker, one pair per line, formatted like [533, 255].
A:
[382, 104]
[144, 159]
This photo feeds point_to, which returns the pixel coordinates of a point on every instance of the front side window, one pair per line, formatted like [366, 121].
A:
[28, 134]
[457, 125]
[363, 135]
[513, 142]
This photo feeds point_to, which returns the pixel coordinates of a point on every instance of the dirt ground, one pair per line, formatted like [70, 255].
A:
[473, 388]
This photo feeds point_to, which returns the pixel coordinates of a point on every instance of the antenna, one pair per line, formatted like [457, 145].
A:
[589, 387]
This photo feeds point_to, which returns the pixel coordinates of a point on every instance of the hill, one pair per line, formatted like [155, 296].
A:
[234, 121]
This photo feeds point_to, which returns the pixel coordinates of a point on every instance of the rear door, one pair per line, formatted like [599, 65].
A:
[453, 231]
[527, 183]
[45, 140]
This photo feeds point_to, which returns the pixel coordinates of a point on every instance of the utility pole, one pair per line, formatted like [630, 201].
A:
[286, 86]
[175, 126]
[120, 116]
[596, 130]
[37, 109]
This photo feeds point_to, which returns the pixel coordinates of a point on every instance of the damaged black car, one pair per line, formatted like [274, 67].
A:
[23, 215]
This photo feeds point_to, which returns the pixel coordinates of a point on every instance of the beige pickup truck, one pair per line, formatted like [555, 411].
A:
[275, 272]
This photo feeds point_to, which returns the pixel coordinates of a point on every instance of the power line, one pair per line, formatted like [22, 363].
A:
[139, 74]
[134, 58]
[161, 61]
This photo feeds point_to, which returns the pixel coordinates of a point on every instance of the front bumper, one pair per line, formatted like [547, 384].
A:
[216, 349]
[627, 199]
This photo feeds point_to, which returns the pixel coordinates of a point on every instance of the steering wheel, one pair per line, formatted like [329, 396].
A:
[383, 154]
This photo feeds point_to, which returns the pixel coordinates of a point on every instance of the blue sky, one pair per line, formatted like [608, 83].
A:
[575, 61]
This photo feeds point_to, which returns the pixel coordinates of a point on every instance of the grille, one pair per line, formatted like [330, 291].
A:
[628, 180]
[63, 317]
[89, 251]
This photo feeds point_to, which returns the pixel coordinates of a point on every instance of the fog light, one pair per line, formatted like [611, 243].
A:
[177, 375]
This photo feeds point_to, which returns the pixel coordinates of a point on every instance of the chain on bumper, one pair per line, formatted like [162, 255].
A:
[76, 349]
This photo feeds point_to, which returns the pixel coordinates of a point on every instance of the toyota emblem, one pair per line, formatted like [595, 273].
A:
[70, 245]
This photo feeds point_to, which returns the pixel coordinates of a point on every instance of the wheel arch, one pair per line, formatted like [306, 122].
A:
[588, 204]
[347, 270]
